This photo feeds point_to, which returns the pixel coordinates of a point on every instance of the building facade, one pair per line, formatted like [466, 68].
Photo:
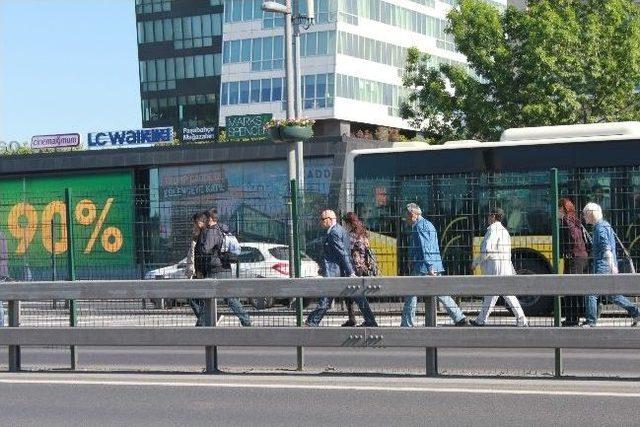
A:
[202, 60]
[180, 61]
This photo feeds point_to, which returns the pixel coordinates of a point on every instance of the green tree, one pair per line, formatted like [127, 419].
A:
[556, 62]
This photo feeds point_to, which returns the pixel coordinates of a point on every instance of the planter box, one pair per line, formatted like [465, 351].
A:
[290, 133]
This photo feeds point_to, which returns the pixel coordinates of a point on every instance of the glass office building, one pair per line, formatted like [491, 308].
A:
[204, 60]
[180, 61]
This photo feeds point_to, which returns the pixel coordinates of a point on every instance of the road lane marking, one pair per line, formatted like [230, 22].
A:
[324, 387]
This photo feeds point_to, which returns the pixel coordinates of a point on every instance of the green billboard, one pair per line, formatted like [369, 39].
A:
[247, 127]
[33, 222]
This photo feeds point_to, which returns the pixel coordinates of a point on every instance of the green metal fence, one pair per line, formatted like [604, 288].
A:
[124, 233]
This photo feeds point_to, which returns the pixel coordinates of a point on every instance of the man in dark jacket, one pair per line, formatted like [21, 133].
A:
[336, 262]
[215, 265]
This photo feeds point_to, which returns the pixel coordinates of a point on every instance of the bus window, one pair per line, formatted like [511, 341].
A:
[374, 205]
[595, 186]
[523, 197]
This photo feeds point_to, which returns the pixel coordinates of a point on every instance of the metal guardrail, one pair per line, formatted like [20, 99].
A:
[429, 337]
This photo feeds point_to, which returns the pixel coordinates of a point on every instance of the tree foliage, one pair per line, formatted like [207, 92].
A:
[556, 62]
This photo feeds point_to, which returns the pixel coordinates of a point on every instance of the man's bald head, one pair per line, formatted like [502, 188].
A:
[327, 218]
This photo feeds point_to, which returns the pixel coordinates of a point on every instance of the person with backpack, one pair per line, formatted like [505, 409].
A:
[362, 259]
[213, 255]
[605, 261]
[573, 250]
[200, 221]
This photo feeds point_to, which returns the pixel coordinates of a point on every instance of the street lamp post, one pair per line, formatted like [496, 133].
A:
[293, 76]
[286, 11]
[295, 155]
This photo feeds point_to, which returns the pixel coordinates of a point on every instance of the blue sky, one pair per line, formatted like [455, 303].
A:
[67, 66]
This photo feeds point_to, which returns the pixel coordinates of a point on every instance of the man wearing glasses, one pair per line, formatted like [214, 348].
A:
[336, 262]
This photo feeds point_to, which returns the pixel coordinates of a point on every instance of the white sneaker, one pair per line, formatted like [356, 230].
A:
[587, 325]
[522, 322]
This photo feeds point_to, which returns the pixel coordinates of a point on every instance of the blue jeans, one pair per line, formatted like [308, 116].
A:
[408, 318]
[324, 303]
[591, 306]
[197, 305]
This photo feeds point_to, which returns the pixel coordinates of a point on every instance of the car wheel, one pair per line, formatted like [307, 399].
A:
[261, 303]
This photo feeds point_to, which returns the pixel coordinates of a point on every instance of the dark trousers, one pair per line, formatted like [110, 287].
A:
[572, 305]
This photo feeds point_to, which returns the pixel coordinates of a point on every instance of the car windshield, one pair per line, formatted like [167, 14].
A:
[249, 254]
[282, 253]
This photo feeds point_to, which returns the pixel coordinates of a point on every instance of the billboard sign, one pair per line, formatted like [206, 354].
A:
[248, 126]
[55, 141]
[129, 138]
[34, 216]
[199, 134]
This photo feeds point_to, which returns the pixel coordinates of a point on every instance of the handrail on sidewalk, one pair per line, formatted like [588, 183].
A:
[211, 289]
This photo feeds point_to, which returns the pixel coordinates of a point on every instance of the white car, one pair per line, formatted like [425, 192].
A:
[264, 260]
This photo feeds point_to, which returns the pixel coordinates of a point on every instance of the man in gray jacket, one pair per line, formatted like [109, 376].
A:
[215, 265]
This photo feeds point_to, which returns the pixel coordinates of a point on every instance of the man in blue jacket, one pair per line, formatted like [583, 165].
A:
[336, 262]
[424, 259]
[605, 261]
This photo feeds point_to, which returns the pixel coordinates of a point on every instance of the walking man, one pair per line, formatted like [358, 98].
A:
[215, 265]
[605, 261]
[424, 259]
[200, 221]
[495, 260]
[336, 262]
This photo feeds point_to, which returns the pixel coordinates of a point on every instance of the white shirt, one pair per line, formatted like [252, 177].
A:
[495, 252]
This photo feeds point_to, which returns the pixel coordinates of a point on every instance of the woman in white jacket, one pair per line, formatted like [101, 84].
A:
[495, 260]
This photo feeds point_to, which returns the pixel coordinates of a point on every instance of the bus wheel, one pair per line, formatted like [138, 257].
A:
[533, 305]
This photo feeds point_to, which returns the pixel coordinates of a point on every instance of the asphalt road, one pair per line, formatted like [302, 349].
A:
[300, 400]
[478, 362]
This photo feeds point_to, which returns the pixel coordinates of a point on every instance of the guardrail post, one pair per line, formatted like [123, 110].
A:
[211, 319]
[15, 364]
[430, 321]
[297, 264]
[555, 248]
[71, 268]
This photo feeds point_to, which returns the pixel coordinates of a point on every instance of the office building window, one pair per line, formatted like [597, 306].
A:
[317, 91]
[161, 74]
[370, 91]
[373, 50]
[169, 109]
[265, 53]
[253, 91]
[317, 43]
[152, 6]
[244, 92]
[186, 32]
[242, 10]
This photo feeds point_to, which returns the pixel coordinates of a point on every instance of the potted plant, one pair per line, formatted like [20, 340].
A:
[283, 130]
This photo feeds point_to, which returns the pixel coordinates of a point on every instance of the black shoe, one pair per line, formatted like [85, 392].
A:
[570, 323]
[349, 323]
[473, 322]
[368, 325]
[463, 322]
